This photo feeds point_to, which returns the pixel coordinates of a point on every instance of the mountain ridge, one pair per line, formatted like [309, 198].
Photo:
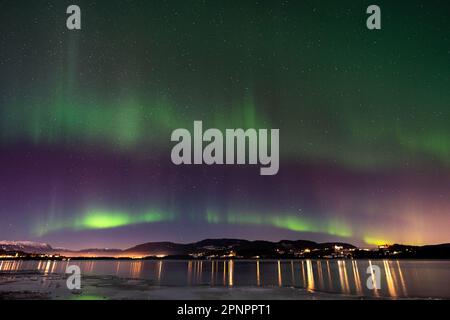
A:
[219, 247]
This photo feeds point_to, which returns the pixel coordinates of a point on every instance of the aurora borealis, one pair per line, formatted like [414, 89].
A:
[86, 118]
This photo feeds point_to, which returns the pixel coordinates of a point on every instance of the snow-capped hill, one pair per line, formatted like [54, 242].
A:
[25, 246]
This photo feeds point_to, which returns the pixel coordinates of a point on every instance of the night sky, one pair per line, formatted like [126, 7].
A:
[86, 118]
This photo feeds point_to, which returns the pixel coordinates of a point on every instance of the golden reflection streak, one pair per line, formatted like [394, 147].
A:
[389, 279]
[230, 272]
[136, 268]
[47, 267]
[132, 269]
[280, 280]
[258, 279]
[310, 275]
[402, 280]
[201, 271]
[292, 273]
[195, 275]
[189, 272]
[118, 267]
[160, 266]
[330, 284]
[319, 272]
[394, 275]
[343, 277]
[196, 266]
[356, 276]
[303, 274]
[90, 266]
[53, 268]
[9, 265]
[212, 272]
[373, 279]
[224, 273]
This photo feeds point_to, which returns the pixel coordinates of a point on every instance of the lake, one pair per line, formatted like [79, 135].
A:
[341, 278]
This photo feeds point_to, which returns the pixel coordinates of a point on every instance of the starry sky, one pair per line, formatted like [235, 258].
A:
[86, 118]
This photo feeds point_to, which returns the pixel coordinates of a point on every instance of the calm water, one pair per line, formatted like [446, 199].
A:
[404, 278]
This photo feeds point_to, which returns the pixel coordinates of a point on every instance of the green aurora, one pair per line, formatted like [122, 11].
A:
[86, 118]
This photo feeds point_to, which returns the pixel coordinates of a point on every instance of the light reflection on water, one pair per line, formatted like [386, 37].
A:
[406, 278]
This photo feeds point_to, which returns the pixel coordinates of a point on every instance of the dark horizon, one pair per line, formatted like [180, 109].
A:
[216, 239]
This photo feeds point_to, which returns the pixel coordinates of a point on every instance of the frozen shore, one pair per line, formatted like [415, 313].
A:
[35, 285]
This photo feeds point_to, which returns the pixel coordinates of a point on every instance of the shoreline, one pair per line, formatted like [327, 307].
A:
[31, 285]
[221, 259]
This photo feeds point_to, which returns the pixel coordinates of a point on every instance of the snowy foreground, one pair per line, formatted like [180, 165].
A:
[35, 285]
